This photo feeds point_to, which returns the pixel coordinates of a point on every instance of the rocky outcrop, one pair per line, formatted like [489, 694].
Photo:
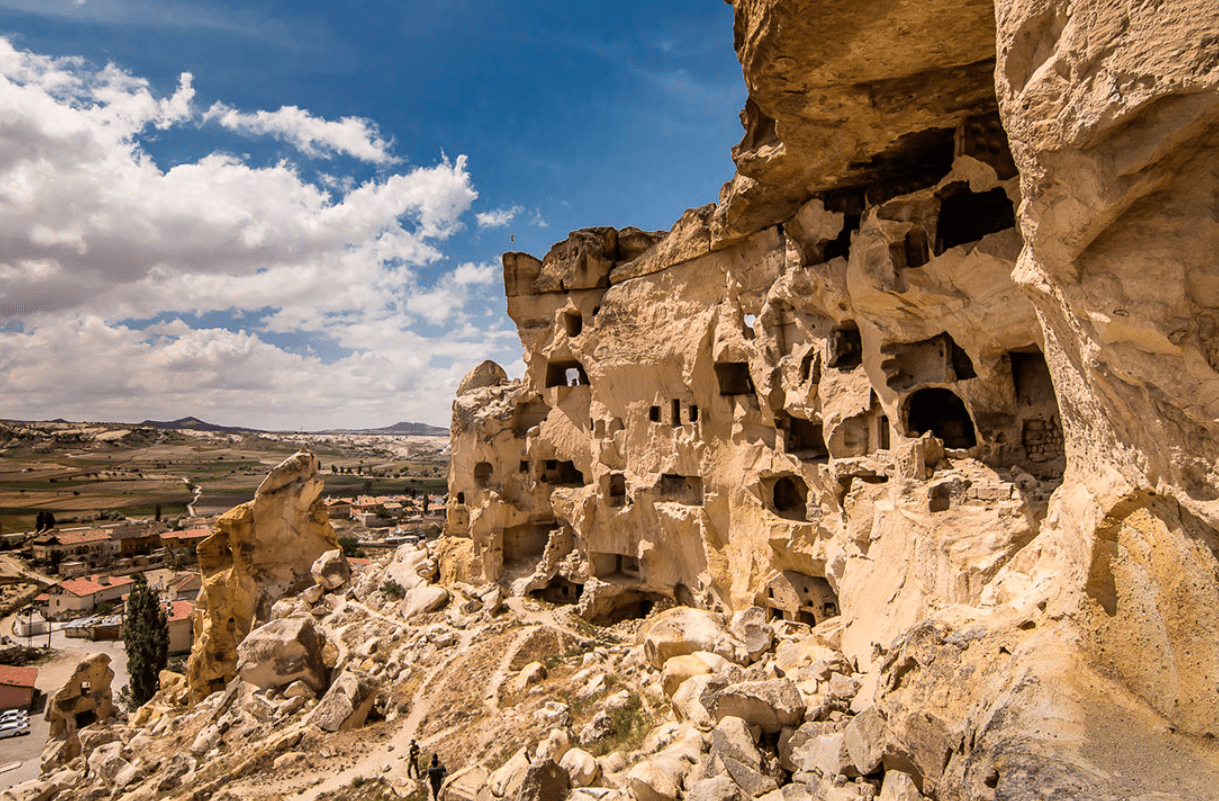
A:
[261, 551]
[84, 699]
[939, 370]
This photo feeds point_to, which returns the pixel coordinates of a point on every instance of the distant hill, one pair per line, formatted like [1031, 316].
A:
[195, 424]
[396, 430]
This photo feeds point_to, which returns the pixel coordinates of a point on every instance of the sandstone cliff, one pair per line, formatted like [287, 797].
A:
[940, 364]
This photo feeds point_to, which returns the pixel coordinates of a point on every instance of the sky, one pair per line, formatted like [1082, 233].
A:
[290, 215]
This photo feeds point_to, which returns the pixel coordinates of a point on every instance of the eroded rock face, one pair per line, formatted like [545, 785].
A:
[941, 366]
[85, 698]
[261, 551]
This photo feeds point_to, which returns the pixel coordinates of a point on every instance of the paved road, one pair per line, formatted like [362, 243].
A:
[51, 676]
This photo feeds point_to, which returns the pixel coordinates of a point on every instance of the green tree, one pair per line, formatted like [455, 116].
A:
[158, 513]
[146, 639]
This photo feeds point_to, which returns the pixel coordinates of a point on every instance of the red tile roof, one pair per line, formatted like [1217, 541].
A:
[18, 676]
[180, 610]
[82, 537]
[82, 587]
[191, 534]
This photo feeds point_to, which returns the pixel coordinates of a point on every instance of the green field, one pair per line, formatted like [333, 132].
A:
[131, 475]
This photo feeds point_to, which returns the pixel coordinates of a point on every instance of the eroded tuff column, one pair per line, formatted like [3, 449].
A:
[261, 551]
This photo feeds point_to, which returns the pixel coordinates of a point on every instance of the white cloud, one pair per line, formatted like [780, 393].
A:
[497, 218]
[312, 135]
[94, 234]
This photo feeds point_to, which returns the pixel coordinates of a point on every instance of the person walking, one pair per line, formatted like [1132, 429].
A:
[412, 755]
[435, 776]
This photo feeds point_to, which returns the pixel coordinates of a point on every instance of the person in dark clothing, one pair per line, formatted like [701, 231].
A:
[435, 776]
[412, 766]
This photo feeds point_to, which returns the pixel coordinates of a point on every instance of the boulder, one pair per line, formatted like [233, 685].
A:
[733, 749]
[528, 676]
[899, 786]
[581, 767]
[864, 738]
[507, 778]
[694, 699]
[769, 704]
[331, 570]
[424, 599]
[715, 788]
[600, 727]
[554, 745]
[826, 754]
[680, 668]
[283, 651]
[345, 705]
[684, 630]
[545, 780]
[410, 567]
[750, 626]
[661, 776]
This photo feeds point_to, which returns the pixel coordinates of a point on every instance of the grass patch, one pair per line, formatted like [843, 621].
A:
[631, 724]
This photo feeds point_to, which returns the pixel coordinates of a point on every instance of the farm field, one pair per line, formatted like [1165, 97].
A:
[83, 472]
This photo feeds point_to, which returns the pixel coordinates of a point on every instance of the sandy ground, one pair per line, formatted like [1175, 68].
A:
[19, 755]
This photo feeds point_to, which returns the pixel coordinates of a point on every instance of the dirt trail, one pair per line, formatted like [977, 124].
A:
[393, 751]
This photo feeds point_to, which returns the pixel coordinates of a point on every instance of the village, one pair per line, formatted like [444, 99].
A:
[63, 592]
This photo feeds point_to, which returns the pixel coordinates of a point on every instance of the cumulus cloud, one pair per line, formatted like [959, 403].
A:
[311, 135]
[95, 236]
[497, 218]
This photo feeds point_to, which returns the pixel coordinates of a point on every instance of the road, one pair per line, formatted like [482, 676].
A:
[51, 676]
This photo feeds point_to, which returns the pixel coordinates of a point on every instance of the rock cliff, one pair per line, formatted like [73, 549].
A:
[940, 365]
[262, 551]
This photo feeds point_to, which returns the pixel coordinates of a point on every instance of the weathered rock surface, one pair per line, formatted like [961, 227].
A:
[939, 366]
[282, 652]
[331, 570]
[261, 551]
[346, 704]
[85, 697]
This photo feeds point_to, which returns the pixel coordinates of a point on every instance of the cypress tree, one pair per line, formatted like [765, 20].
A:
[146, 639]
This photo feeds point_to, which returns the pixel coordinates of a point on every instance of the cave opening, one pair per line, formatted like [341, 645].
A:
[573, 323]
[734, 378]
[687, 490]
[617, 490]
[627, 605]
[846, 347]
[789, 498]
[482, 474]
[566, 374]
[967, 216]
[806, 439]
[559, 591]
[562, 474]
[941, 412]
[527, 415]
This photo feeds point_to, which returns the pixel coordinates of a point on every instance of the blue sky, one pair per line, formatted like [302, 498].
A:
[290, 215]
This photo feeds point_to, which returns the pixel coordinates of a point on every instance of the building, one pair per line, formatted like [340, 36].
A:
[17, 687]
[135, 540]
[80, 596]
[181, 625]
[338, 508]
[181, 587]
[90, 545]
[184, 544]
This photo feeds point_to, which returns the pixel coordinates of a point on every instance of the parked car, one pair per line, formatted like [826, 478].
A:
[13, 715]
[14, 729]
